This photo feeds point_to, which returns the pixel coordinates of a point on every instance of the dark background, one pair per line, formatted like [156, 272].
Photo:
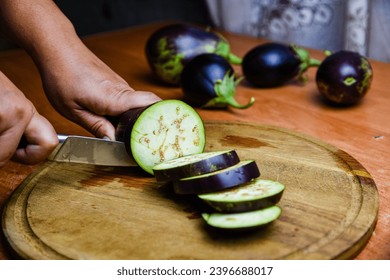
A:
[94, 16]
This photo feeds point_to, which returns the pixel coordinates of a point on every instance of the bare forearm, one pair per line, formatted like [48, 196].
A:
[39, 27]
[78, 84]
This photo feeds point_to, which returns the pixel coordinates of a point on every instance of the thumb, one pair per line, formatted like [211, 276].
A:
[127, 100]
[98, 124]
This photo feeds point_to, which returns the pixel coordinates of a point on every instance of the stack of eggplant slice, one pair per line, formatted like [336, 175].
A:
[231, 187]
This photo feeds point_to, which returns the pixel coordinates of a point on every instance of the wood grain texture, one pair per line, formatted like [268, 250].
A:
[75, 211]
[361, 131]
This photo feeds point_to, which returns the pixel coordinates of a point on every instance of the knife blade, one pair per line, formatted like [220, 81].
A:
[89, 150]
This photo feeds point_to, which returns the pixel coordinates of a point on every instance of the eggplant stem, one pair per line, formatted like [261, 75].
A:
[327, 53]
[223, 101]
[234, 59]
[314, 62]
[223, 49]
[225, 90]
[306, 61]
[232, 102]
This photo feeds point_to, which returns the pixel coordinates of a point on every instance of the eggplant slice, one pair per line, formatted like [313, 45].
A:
[162, 131]
[254, 195]
[243, 221]
[193, 165]
[240, 173]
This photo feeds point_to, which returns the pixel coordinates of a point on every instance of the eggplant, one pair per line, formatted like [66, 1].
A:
[344, 78]
[240, 173]
[161, 131]
[254, 195]
[274, 64]
[193, 165]
[209, 81]
[243, 221]
[171, 47]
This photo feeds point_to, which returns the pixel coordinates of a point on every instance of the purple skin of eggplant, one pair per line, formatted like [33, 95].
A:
[274, 64]
[218, 181]
[199, 77]
[171, 47]
[197, 168]
[344, 78]
[209, 81]
[236, 207]
[125, 126]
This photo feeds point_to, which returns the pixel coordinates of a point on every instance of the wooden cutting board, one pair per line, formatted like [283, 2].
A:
[76, 211]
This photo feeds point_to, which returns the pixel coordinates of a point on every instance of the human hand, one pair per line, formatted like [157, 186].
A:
[85, 90]
[78, 84]
[18, 117]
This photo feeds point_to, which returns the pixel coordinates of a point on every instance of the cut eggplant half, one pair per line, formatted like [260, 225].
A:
[243, 221]
[193, 165]
[240, 173]
[165, 130]
[254, 195]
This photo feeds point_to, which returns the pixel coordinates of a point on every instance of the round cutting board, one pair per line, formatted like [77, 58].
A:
[76, 211]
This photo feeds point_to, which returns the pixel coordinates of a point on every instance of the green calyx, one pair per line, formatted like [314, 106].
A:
[349, 81]
[327, 52]
[306, 61]
[223, 49]
[225, 90]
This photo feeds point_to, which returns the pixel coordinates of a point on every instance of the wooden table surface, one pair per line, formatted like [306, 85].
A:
[362, 131]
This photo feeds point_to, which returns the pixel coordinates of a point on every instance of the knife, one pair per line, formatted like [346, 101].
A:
[89, 150]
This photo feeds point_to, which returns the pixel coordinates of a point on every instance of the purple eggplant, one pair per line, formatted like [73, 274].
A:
[344, 78]
[195, 164]
[161, 131]
[169, 48]
[240, 173]
[254, 195]
[274, 64]
[209, 81]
